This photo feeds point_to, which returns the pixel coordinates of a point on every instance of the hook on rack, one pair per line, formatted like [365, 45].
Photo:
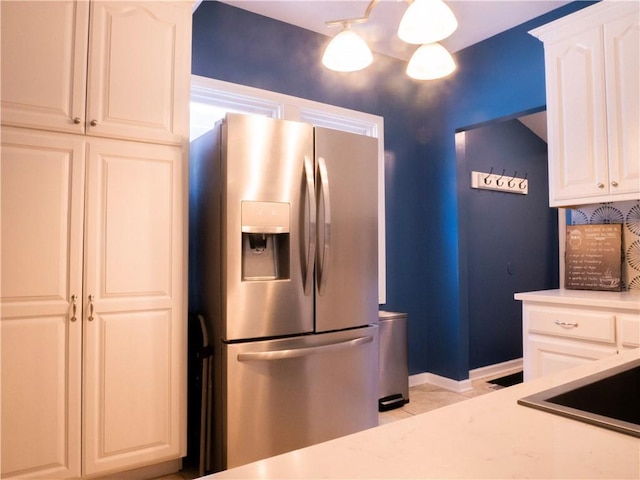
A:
[523, 182]
[510, 182]
[498, 182]
[487, 179]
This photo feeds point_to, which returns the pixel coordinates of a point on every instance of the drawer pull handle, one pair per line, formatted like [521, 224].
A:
[566, 324]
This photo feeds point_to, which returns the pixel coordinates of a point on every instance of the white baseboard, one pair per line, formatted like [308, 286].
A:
[496, 370]
[461, 386]
[458, 386]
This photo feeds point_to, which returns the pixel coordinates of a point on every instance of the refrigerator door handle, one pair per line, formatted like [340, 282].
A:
[303, 352]
[311, 245]
[323, 262]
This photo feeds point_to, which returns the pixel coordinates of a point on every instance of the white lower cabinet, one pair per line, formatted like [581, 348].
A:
[563, 328]
[629, 337]
[548, 355]
[93, 336]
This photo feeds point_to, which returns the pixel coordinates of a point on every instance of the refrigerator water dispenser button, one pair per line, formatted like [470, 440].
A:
[265, 217]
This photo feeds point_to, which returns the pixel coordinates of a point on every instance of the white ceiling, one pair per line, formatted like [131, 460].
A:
[537, 123]
[477, 19]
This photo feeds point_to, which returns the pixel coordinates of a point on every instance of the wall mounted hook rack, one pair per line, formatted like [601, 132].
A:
[501, 182]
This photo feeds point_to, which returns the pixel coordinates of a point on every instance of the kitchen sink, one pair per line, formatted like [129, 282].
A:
[609, 399]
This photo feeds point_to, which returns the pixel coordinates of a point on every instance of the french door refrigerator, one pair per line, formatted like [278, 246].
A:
[289, 273]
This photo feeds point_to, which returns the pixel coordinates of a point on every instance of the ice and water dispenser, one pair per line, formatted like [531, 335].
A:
[265, 240]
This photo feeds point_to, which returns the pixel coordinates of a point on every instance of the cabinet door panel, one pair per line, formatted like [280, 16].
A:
[139, 90]
[130, 393]
[135, 343]
[138, 224]
[629, 330]
[576, 115]
[44, 64]
[622, 48]
[40, 397]
[42, 208]
[548, 355]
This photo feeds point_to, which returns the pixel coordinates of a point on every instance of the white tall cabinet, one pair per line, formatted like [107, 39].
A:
[592, 60]
[93, 236]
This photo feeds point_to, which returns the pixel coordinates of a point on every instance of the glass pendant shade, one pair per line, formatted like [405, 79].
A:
[427, 21]
[347, 52]
[430, 62]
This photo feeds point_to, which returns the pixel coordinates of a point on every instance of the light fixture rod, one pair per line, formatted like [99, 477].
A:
[349, 21]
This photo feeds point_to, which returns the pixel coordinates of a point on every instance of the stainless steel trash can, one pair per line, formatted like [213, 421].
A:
[393, 391]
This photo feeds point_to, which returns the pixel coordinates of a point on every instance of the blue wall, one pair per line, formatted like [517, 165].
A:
[498, 77]
[494, 225]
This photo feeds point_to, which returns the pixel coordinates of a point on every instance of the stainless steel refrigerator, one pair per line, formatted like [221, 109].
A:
[288, 218]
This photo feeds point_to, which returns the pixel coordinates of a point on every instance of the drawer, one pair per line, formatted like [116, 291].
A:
[573, 323]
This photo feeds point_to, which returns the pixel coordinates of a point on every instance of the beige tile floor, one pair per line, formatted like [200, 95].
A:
[426, 397]
[422, 398]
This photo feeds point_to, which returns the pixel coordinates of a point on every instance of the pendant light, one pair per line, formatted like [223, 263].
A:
[429, 62]
[347, 52]
[427, 21]
[424, 23]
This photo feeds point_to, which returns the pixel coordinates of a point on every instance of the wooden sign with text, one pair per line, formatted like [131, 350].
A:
[593, 257]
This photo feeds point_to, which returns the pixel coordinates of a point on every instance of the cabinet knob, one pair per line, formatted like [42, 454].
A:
[614, 184]
[77, 120]
[601, 185]
[94, 123]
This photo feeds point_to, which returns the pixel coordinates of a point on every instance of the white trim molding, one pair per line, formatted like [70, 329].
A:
[460, 386]
[496, 370]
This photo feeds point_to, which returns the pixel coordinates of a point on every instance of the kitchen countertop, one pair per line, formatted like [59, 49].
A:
[586, 298]
[489, 436]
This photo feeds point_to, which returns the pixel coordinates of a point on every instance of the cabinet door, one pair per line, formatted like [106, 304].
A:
[547, 355]
[41, 269]
[576, 117]
[628, 330]
[135, 332]
[139, 65]
[622, 51]
[44, 64]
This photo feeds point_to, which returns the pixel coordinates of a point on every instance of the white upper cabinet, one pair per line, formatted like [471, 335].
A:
[622, 79]
[85, 75]
[139, 90]
[44, 72]
[593, 106]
